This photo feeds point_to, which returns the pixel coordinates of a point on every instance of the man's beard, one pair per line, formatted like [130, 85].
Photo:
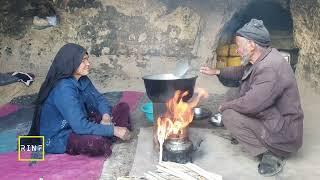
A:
[245, 59]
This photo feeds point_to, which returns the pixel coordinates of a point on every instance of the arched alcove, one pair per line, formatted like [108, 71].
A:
[277, 20]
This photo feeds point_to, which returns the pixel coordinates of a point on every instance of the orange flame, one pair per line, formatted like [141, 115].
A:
[179, 114]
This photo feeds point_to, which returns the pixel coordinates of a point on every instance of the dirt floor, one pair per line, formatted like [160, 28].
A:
[303, 165]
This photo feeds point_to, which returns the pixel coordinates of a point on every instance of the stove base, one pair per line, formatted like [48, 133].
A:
[177, 150]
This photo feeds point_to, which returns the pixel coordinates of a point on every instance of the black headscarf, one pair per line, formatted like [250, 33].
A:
[65, 63]
[255, 31]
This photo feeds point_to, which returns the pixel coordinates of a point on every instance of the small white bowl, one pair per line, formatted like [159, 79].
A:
[216, 120]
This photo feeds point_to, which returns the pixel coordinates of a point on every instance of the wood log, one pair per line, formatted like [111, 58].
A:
[167, 175]
[180, 167]
[158, 176]
[149, 176]
[161, 150]
[176, 172]
[131, 178]
[204, 173]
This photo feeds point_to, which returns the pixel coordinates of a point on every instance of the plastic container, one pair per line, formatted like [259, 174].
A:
[147, 108]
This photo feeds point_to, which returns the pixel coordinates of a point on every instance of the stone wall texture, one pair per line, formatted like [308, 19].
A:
[306, 19]
[128, 39]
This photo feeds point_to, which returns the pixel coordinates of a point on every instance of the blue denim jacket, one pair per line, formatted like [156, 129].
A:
[66, 110]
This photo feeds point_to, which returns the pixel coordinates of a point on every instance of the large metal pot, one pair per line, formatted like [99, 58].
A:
[161, 87]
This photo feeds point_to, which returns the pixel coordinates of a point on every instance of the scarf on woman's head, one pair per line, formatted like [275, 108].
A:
[65, 63]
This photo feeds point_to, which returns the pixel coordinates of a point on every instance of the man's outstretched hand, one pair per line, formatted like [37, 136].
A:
[209, 71]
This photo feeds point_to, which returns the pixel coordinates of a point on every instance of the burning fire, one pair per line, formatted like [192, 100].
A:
[179, 114]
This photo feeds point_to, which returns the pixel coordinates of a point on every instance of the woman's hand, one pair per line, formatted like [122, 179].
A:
[121, 132]
[106, 119]
[209, 71]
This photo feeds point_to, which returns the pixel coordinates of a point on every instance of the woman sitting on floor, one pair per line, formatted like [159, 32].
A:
[71, 114]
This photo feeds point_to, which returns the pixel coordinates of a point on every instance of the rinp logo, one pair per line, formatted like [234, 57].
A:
[32, 148]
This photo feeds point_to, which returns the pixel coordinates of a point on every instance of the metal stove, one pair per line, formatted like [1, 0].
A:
[160, 88]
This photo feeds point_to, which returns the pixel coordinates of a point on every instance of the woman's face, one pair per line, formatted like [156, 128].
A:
[83, 68]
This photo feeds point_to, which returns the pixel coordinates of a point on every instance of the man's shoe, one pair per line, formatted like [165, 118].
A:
[270, 164]
[234, 141]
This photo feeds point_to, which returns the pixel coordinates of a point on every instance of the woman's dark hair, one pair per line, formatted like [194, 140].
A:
[65, 63]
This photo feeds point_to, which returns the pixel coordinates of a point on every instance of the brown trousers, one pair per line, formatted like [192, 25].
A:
[247, 130]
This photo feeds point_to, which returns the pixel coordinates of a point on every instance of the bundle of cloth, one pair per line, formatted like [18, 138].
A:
[12, 77]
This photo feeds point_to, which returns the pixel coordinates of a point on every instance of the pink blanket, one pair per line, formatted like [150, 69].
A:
[8, 109]
[55, 167]
[132, 98]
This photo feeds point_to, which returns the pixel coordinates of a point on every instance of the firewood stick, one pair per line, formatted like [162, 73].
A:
[185, 169]
[166, 175]
[161, 141]
[149, 176]
[160, 153]
[162, 175]
[171, 173]
[157, 176]
[176, 173]
[181, 168]
[175, 165]
[204, 173]
[130, 178]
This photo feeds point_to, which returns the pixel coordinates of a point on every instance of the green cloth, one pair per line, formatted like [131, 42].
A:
[8, 141]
